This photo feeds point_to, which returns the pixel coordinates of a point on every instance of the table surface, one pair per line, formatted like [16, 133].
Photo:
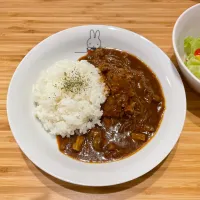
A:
[25, 23]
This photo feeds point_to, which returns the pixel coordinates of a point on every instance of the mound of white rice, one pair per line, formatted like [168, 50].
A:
[68, 97]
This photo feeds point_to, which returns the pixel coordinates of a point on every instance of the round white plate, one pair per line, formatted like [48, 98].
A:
[41, 148]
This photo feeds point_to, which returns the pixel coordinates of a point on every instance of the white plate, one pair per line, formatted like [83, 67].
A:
[41, 148]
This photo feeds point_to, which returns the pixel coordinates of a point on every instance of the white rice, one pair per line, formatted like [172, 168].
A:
[62, 112]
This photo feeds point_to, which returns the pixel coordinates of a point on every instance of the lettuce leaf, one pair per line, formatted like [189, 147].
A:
[192, 62]
[191, 45]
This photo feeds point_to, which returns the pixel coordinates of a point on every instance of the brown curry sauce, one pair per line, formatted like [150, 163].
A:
[131, 114]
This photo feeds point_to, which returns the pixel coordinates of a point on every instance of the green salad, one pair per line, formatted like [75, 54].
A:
[192, 51]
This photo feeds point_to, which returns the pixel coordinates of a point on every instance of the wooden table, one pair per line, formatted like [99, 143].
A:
[25, 23]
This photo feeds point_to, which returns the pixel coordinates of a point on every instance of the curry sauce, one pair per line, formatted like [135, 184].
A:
[131, 114]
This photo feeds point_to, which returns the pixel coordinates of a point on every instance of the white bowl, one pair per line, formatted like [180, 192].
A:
[188, 24]
[42, 148]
